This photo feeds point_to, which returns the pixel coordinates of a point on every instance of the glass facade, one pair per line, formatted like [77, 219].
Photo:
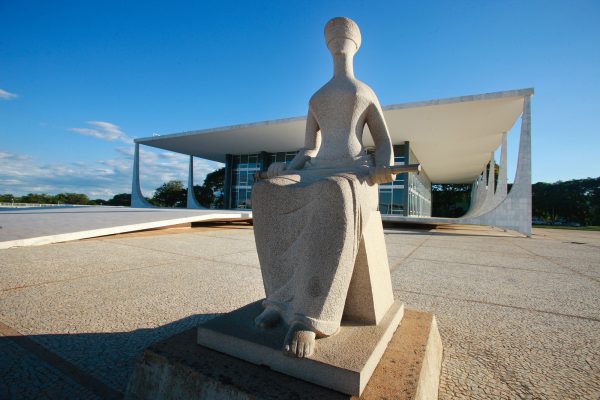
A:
[392, 196]
[408, 194]
[419, 192]
[240, 170]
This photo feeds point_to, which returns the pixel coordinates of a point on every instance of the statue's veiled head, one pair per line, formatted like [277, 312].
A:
[342, 36]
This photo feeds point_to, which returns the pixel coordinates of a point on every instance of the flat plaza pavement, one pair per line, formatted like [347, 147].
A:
[519, 318]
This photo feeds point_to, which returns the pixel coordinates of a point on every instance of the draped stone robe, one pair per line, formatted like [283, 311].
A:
[308, 222]
[308, 226]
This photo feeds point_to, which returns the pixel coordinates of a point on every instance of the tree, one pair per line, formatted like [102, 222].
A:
[40, 198]
[7, 198]
[121, 199]
[210, 193]
[71, 198]
[98, 202]
[450, 200]
[215, 182]
[204, 195]
[170, 194]
[577, 200]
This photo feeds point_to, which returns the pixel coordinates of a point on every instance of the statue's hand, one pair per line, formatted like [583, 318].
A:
[276, 169]
[381, 175]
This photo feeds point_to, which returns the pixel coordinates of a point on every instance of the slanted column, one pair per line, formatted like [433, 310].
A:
[522, 183]
[492, 175]
[488, 202]
[502, 188]
[514, 212]
[137, 198]
[477, 195]
[523, 174]
[481, 187]
[191, 198]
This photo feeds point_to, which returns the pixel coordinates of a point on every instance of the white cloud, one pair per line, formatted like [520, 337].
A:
[21, 173]
[4, 95]
[103, 130]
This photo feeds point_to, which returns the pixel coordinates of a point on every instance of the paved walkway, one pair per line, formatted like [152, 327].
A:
[519, 318]
[37, 226]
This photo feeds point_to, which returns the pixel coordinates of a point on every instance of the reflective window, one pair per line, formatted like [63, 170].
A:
[244, 166]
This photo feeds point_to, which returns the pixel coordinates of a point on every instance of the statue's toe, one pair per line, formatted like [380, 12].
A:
[299, 341]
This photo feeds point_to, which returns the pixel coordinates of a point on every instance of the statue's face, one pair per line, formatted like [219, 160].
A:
[343, 46]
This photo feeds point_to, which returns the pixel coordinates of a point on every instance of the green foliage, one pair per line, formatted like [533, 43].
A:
[204, 195]
[577, 200]
[211, 194]
[121, 199]
[40, 198]
[71, 198]
[7, 198]
[215, 181]
[170, 194]
[450, 200]
[98, 202]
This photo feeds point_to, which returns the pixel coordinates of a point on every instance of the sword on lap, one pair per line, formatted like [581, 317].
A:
[394, 170]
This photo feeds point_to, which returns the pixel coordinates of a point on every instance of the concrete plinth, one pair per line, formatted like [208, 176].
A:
[342, 362]
[179, 368]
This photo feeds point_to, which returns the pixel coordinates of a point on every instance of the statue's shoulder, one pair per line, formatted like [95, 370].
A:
[365, 90]
[319, 94]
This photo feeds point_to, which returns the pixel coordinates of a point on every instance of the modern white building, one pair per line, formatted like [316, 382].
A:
[453, 139]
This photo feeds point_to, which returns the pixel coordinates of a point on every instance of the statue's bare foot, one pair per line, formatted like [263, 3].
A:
[299, 341]
[267, 319]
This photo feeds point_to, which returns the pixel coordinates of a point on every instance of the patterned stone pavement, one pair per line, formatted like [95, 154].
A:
[519, 318]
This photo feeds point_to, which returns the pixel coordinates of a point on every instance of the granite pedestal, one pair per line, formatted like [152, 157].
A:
[178, 368]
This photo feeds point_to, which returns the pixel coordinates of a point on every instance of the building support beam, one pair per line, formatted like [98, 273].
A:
[514, 212]
[502, 187]
[137, 198]
[488, 203]
[191, 198]
[477, 196]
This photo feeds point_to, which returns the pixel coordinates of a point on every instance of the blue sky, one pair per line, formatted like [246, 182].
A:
[80, 79]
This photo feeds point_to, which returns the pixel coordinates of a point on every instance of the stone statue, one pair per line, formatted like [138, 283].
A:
[309, 214]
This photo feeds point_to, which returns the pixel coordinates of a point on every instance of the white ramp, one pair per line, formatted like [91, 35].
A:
[38, 226]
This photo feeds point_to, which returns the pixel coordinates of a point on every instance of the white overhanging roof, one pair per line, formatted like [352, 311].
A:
[452, 138]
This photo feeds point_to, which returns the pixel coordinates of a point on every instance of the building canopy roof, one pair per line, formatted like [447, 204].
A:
[452, 138]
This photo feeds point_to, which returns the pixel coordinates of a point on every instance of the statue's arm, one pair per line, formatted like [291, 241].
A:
[384, 151]
[311, 143]
[310, 149]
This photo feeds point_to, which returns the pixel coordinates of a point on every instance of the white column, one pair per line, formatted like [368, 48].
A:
[137, 198]
[502, 188]
[514, 212]
[488, 203]
[191, 198]
[477, 196]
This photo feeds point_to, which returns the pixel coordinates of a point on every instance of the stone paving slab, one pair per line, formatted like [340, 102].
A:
[516, 321]
[495, 352]
[190, 245]
[587, 268]
[492, 259]
[249, 258]
[73, 260]
[24, 376]
[489, 245]
[558, 292]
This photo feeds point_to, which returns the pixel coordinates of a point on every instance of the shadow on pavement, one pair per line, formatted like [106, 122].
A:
[47, 366]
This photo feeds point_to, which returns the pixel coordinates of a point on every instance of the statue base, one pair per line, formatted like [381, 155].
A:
[342, 362]
[179, 368]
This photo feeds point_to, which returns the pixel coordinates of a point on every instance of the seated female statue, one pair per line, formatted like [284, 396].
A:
[309, 214]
